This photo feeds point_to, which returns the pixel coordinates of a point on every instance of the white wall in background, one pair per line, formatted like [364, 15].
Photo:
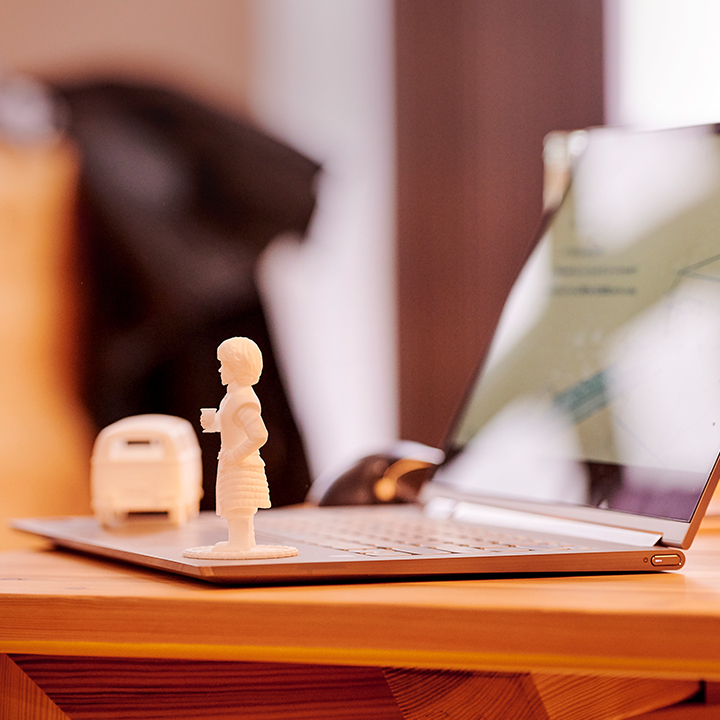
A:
[663, 62]
[323, 81]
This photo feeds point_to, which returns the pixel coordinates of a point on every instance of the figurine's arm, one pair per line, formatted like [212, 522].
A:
[248, 415]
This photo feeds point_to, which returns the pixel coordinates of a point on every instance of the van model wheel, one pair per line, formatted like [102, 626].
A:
[178, 516]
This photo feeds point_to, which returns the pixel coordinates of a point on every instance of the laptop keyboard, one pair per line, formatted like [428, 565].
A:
[353, 532]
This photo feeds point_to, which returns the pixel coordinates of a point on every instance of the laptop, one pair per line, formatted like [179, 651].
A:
[588, 440]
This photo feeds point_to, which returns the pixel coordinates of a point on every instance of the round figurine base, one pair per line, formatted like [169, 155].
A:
[222, 552]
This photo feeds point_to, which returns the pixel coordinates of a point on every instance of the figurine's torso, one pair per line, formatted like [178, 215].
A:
[241, 482]
[232, 431]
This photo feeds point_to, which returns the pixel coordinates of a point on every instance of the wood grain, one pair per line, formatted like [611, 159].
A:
[99, 688]
[465, 696]
[502, 696]
[89, 688]
[21, 698]
[594, 698]
[683, 712]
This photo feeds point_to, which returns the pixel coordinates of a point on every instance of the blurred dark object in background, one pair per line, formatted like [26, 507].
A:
[178, 200]
[379, 479]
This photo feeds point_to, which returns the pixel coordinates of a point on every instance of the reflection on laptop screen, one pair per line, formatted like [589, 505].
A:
[602, 384]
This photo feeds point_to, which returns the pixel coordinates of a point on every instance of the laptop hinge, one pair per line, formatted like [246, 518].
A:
[465, 511]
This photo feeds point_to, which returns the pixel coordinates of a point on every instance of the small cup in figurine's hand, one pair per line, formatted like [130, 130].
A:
[207, 418]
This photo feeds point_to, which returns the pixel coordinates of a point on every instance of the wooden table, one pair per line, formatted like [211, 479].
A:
[85, 638]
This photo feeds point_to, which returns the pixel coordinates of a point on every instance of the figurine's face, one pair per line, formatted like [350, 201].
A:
[225, 375]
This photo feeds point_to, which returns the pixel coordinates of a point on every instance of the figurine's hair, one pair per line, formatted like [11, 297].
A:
[243, 358]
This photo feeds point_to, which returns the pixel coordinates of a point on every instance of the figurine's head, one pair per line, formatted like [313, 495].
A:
[241, 358]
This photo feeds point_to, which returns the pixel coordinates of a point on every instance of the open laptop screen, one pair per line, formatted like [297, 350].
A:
[602, 384]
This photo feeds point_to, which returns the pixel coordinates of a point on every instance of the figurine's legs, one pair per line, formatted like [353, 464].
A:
[241, 534]
[240, 544]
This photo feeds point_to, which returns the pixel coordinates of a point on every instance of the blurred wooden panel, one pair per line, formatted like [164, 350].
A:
[479, 85]
[45, 438]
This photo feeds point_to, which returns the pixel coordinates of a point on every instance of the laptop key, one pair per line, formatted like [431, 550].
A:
[450, 547]
[339, 545]
[419, 550]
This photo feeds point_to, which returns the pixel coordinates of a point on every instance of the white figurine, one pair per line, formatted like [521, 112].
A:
[241, 483]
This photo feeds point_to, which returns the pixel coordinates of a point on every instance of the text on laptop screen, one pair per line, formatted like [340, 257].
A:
[602, 384]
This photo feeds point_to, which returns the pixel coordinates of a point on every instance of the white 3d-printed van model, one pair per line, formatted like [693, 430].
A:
[146, 464]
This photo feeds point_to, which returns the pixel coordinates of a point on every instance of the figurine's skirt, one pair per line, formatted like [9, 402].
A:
[241, 486]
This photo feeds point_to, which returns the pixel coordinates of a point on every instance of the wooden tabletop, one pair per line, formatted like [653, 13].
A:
[54, 602]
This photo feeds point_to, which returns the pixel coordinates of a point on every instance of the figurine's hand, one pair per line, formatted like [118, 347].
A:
[207, 419]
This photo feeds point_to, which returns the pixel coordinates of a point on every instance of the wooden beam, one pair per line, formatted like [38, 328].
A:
[479, 85]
